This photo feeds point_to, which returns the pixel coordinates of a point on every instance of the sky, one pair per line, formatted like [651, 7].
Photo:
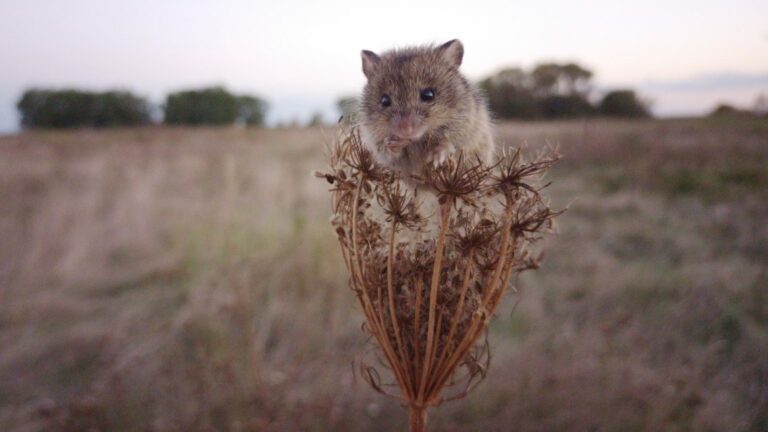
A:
[684, 56]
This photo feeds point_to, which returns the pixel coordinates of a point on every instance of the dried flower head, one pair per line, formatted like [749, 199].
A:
[399, 205]
[458, 178]
[429, 283]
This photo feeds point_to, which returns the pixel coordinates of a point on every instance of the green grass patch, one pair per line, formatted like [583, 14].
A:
[714, 182]
[514, 326]
[711, 183]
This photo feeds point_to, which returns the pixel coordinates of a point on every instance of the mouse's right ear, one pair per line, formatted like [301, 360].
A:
[370, 62]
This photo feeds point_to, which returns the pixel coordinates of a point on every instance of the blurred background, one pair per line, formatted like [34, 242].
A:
[166, 261]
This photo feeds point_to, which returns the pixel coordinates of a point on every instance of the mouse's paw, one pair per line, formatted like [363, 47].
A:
[394, 147]
[438, 154]
[394, 151]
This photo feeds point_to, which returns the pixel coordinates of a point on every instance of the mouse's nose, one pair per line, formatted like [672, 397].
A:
[408, 126]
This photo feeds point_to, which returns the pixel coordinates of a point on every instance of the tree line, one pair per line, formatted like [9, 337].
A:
[546, 91]
[555, 90]
[69, 108]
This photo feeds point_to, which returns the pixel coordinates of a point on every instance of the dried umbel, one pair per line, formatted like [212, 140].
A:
[428, 281]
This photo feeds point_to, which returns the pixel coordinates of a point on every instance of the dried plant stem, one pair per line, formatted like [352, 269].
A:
[418, 419]
[358, 259]
[417, 364]
[441, 366]
[376, 321]
[445, 212]
[478, 319]
[391, 298]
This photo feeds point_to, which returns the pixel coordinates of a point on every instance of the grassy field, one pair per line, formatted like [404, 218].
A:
[188, 279]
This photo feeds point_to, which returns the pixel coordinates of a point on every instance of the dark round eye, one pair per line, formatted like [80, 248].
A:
[427, 94]
[385, 101]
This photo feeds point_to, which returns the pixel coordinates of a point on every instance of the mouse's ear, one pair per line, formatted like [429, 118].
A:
[370, 62]
[452, 51]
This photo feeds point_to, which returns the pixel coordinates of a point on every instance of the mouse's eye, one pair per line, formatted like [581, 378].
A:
[385, 101]
[427, 94]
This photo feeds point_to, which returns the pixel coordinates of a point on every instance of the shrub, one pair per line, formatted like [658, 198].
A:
[726, 110]
[70, 108]
[557, 106]
[213, 106]
[623, 103]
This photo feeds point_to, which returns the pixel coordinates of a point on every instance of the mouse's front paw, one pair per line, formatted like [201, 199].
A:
[394, 147]
[439, 153]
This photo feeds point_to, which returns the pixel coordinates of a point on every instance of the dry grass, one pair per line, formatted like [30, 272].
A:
[175, 279]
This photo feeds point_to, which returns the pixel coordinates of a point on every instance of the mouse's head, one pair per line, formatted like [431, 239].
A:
[411, 92]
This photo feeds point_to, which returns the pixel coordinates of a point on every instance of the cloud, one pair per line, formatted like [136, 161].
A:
[710, 82]
[699, 94]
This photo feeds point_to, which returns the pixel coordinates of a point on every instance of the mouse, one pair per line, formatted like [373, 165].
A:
[417, 109]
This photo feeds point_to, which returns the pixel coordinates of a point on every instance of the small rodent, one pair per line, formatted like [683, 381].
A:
[417, 108]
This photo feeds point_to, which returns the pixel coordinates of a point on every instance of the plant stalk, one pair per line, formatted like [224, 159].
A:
[418, 419]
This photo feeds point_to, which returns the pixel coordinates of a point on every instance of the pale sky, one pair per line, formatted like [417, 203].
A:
[302, 55]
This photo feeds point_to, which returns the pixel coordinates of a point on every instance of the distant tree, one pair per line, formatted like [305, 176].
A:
[623, 103]
[508, 102]
[723, 109]
[761, 105]
[570, 106]
[576, 79]
[514, 77]
[56, 109]
[545, 79]
[567, 79]
[347, 107]
[509, 94]
[70, 108]
[251, 110]
[119, 108]
[213, 106]
[316, 120]
[550, 90]
[730, 111]
[554, 90]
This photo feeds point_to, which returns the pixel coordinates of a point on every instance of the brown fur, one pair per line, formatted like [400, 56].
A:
[457, 118]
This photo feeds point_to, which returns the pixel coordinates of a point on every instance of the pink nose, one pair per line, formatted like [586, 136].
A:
[407, 126]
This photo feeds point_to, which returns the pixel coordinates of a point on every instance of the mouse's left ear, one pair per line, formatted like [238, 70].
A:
[370, 62]
[452, 51]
